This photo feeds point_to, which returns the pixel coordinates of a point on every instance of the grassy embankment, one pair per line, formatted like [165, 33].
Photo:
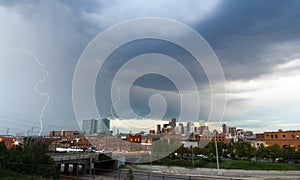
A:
[228, 164]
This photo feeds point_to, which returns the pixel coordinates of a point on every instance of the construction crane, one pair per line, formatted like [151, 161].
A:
[30, 131]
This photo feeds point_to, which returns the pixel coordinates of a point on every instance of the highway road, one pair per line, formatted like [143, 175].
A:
[140, 175]
[226, 172]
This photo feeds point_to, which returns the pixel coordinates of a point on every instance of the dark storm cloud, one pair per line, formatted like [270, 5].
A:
[139, 47]
[150, 83]
[68, 15]
[250, 37]
[243, 34]
[247, 36]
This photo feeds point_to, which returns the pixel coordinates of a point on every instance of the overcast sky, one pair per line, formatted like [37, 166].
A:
[257, 43]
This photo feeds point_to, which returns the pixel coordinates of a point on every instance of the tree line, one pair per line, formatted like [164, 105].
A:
[29, 158]
[244, 150]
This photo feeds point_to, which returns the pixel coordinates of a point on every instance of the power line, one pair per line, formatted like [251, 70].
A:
[24, 120]
[25, 123]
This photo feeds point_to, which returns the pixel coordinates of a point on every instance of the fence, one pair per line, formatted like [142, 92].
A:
[121, 174]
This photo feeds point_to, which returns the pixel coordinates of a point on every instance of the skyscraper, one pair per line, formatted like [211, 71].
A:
[189, 127]
[181, 128]
[232, 131]
[89, 126]
[158, 130]
[224, 129]
[105, 125]
[173, 122]
[95, 126]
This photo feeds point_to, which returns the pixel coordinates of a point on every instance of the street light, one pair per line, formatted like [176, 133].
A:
[193, 156]
[150, 154]
[217, 155]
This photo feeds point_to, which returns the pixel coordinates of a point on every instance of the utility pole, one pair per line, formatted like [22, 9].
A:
[150, 153]
[90, 165]
[217, 154]
[30, 131]
[193, 161]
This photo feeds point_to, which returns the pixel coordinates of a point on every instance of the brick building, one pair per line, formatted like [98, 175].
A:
[9, 141]
[111, 143]
[63, 133]
[210, 137]
[282, 138]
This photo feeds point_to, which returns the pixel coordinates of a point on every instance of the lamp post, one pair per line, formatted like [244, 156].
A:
[217, 154]
[150, 155]
[193, 161]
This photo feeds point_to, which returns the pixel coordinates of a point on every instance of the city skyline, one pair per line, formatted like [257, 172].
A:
[115, 126]
[256, 43]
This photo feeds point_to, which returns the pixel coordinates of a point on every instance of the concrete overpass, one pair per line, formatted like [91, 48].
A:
[76, 164]
[81, 163]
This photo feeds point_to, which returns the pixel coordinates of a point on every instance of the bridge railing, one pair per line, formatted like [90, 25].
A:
[121, 174]
[68, 157]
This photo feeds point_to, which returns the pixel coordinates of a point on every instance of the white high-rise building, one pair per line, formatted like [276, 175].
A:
[189, 127]
[181, 129]
[95, 126]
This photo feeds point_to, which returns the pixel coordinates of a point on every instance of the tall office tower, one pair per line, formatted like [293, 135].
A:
[189, 127]
[224, 129]
[89, 126]
[95, 126]
[105, 125]
[181, 128]
[173, 122]
[232, 131]
[158, 129]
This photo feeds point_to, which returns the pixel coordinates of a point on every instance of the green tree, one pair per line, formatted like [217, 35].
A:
[261, 152]
[288, 153]
[231, 150]
[242, 149]
[3, 152]
[31, 159]
[3, 148]
[298, 152]
[251, 151]
[182, 150]
[274, 151]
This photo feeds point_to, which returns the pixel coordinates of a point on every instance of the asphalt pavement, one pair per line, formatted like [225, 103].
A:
[235, 173]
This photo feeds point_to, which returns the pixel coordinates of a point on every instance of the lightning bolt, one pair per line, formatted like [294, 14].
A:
[40, 92]
[36, 89]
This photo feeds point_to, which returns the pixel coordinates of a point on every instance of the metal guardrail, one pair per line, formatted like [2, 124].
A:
[70, 157]
[149, 175]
